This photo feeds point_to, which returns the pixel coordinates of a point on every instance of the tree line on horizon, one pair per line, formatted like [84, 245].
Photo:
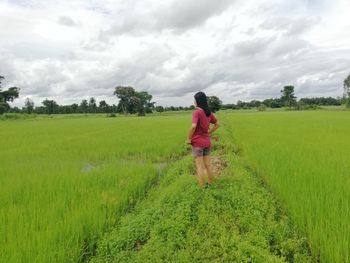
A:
[140, 103]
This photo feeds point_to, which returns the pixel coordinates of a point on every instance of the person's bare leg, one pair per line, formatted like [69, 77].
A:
[200, 170]
[207, 164]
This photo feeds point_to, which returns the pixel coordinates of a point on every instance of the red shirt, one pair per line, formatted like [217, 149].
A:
[200, 136]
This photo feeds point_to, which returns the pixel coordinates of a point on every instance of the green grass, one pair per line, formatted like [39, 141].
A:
[237, 220]
[305, 158]
[65, 181]
[69, 185]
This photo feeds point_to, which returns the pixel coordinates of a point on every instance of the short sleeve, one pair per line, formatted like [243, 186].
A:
[195, 117]
[213, 120]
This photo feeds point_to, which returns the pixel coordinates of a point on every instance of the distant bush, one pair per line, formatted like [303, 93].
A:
[262, 107]
[312, 107]
[16, 116]
[111, 115]
[301, 105]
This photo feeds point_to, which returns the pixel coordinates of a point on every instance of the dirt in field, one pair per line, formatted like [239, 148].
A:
[217, 165]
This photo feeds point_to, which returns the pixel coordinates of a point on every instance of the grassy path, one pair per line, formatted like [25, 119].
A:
[237, 220]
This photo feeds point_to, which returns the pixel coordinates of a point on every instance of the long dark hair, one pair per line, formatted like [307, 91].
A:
[202, 102]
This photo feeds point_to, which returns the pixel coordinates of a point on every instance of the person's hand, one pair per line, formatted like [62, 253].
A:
[188, 141]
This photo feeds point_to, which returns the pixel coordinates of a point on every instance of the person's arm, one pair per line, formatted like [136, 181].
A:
[195, 118]
[190, 132]
[215, 127]
[213, 120]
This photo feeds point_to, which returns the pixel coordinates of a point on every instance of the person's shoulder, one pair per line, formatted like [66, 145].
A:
[197, 110]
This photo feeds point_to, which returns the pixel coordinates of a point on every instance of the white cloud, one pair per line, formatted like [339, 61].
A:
[66, 21]
[69, 50]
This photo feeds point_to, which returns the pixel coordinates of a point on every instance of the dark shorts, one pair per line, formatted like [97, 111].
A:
[198, 152]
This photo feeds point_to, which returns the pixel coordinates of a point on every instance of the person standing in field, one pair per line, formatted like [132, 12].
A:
[199, 138]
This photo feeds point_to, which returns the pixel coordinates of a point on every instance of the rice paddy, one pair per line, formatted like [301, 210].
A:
[123, 190]
[64, 181]
[304, 157]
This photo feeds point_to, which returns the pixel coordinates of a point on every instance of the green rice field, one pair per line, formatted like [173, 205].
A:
[304, 157]
[123, 189]
[64, 181]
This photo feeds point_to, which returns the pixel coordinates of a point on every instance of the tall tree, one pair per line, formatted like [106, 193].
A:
[28, 106]
[347, 91]
[133, 106]
[126, 96]
[103, 107]
[144, 104]
[51, 106]
[214, 103]
[83, 107]
[74, 107]
[131, 101]
[92, 105]
[6, 96]
[288, 97]
[159, 109]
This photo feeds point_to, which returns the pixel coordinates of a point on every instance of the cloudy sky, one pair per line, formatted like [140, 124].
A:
[234, 49]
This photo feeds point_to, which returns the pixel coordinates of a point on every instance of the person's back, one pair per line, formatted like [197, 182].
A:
[200, 136]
